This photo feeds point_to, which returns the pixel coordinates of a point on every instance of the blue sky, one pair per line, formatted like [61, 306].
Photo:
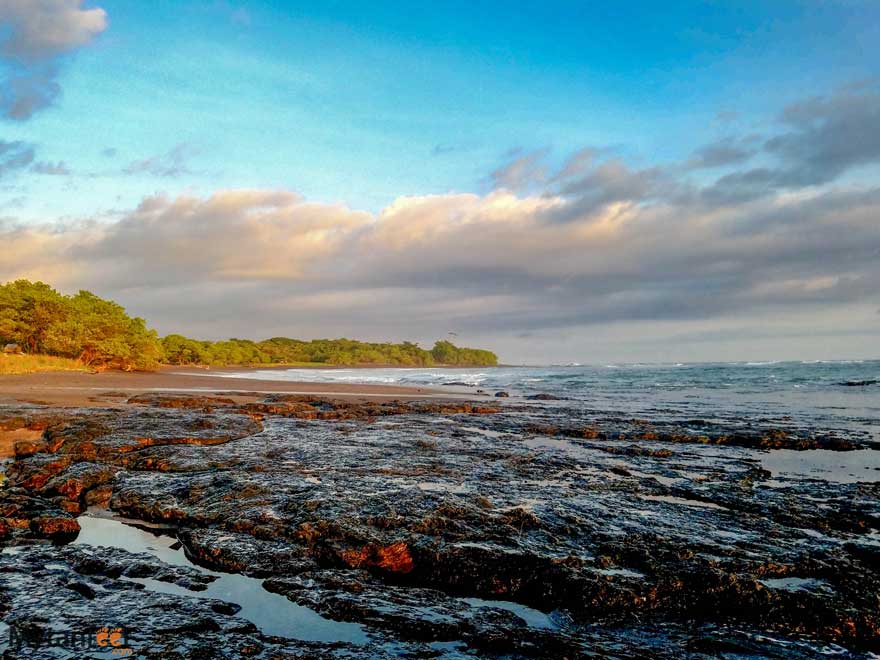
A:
[360, 105]
[363, 102]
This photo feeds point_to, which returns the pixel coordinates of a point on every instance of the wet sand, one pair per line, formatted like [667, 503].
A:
[70, 388]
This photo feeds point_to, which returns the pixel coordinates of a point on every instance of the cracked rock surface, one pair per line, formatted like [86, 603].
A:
[435, 530]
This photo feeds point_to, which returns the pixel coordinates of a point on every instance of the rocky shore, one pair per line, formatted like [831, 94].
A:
[208, 526]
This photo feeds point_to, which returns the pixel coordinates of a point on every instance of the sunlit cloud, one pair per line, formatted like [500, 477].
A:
[587, 241]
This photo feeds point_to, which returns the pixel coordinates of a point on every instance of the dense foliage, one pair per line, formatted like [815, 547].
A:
[281, 350]
[447, 353]
[99, 333]
[84, 327]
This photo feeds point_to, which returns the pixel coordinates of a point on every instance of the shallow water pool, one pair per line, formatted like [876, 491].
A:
[843, 467]
[273, 614]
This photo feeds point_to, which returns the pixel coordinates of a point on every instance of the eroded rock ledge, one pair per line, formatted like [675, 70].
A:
[651, 538]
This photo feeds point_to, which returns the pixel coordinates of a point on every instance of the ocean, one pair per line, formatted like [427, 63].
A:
[841, 395]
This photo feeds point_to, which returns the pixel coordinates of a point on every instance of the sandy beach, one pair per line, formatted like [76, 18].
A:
[71, 388]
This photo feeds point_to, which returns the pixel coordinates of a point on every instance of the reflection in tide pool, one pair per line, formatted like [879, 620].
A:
[533, 618]
[271, 613]
[844, 467]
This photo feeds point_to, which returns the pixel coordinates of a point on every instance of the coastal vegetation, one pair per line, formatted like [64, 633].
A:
[84, 327]
[89, 331]
[336, 352]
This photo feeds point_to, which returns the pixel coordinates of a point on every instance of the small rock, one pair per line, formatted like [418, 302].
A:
[82, 589]
[25, 448]
[55, 527]
[230, 609]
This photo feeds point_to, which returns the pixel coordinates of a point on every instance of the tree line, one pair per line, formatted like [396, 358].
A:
[100, 333]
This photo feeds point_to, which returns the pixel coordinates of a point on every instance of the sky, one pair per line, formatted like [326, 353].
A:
[558, 181]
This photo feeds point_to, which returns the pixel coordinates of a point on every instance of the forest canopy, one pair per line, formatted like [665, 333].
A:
[100, 333]
[95, 331]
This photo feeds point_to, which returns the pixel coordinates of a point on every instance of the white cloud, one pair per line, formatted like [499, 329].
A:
[258, 261]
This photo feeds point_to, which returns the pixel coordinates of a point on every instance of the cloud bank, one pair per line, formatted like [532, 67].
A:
[596, 245]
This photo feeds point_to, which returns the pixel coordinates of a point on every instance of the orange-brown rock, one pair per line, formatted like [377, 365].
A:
[394, 558]
[29, 447]
[55, 527]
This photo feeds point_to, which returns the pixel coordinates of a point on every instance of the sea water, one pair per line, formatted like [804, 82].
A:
[827, 395]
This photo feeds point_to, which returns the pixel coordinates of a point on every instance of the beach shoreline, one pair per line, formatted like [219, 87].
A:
[82, 389]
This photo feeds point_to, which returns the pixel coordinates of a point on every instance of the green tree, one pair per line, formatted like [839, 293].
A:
[99, 332]
[182, 350]
[27, 312]
[445, 352]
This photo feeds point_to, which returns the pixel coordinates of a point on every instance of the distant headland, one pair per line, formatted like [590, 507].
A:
[42, 329]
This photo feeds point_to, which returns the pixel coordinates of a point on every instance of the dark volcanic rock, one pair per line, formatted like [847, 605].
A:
[744, 436]
[164, 400]
[243, 553]
[27, 516]
[446, 529]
